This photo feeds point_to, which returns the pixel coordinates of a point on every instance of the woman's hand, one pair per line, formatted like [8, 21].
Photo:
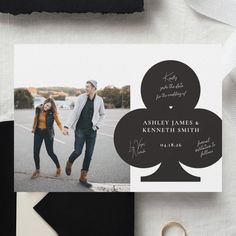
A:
[33, 130]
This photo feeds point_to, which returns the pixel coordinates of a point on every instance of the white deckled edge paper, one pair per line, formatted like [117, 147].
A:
[229, 54]
[229, 84]
[220, 10]
[6, 88]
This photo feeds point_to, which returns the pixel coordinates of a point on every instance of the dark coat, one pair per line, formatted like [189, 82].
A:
[49, 120]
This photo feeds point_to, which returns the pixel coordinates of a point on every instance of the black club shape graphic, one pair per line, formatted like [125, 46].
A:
[170, 130]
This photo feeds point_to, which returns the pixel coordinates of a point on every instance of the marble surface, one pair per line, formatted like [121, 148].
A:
[164, 21]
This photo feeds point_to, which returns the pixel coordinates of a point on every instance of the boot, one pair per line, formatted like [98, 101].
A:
[68, 167]
[58, 172]
[83, 179]
[35, 174]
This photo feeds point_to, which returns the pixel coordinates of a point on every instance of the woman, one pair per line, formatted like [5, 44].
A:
[45, 114]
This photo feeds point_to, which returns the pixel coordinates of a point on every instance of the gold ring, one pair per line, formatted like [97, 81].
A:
[173, 224]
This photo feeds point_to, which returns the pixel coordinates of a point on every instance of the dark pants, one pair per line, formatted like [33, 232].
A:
[39, 136]
[81, 137]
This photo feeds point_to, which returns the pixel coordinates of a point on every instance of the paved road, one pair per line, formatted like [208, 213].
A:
[106, 166]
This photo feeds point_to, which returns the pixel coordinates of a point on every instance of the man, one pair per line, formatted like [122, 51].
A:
[86, 119]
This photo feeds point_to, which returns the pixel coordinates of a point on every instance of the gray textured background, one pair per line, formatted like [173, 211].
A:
[164, 21]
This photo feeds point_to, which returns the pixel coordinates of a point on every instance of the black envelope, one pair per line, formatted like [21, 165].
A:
[71, 6]
[8, 199]
[103, 214]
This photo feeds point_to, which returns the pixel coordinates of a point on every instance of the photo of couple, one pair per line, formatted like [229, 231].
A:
[85, 120]
[66, 109]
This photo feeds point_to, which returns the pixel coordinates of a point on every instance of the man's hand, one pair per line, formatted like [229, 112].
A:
[65, 131]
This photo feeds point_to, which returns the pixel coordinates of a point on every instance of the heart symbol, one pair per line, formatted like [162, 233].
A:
[170, 107]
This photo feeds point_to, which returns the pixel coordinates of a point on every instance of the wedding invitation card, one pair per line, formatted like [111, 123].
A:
[127, 118]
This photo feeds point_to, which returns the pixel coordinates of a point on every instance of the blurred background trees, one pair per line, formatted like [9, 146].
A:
[113, 97]
[23, 99]
[116, 97]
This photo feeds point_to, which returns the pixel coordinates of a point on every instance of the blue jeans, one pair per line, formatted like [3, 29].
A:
[83, 137]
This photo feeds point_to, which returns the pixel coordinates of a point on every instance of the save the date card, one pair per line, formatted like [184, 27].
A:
[128, 117]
